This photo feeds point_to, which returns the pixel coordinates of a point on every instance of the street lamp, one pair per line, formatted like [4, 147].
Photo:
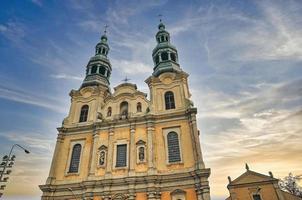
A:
[72, 193]
[8, 162]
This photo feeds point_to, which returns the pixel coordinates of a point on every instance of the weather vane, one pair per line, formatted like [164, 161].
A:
[126, 79]
[105, 31]
[160, 17]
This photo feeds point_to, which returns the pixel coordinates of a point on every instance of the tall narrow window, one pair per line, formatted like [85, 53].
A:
[121, 155]
[102, 70]
[75, 159]
[173, 57]
[109, 112]
[256, 197]
[169, 100]
[84, 113]
[139, 107]
[164, 56]
[94, 69]
[124, 108]
[173, 147]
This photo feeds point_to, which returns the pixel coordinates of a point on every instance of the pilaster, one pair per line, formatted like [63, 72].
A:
[110, 152]
[93, 154]
[150, 146]
[132, 153]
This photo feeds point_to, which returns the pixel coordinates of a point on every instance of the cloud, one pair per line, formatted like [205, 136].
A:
[31, 99]
[37, 2]
[13, 31]
[131, 67]
[66, 77]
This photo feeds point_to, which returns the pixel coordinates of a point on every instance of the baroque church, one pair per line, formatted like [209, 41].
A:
[121, 145]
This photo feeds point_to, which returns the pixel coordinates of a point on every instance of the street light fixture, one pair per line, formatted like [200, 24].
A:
[8, 162]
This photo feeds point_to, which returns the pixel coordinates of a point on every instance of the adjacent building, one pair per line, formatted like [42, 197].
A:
[121, 144]
[255, 186]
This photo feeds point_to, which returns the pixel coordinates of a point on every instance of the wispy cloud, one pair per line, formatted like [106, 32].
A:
[29, 98]
[66, 77]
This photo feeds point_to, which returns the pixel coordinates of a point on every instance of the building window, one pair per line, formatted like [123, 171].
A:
[121, 155]
[164, 56]
[139, 107]
[109, 112]
[124, 108]
[84, 113]
[169, 100]
[173, 57]
[94, 69]
[256, 197]
[75, 159]
[173, 147]
[102, 70]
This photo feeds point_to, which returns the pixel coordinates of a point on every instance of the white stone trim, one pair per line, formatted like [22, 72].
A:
[71, 145]
[120, 142]
[165, 133]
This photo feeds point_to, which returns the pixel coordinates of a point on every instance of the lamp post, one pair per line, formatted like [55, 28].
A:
[73, 194]
[8, 162]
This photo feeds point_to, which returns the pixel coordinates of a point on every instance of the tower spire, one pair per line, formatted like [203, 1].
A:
[164, 55]
[99, 69]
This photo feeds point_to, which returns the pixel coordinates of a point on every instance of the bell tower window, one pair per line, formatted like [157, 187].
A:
[169, 100]
[164, 56]
[173, 57]
[84, 113]
[94, 69]
[102, 70]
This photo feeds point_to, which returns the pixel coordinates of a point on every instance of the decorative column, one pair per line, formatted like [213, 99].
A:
[93, 153]
[110, 152]
[150, 133]
[132, 153]
[159, 56]
[169, 55]
[60, 141]
[195, 137]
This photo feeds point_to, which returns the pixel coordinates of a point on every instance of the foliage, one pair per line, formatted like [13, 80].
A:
[290, 184]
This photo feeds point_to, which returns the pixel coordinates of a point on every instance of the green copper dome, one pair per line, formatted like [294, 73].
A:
[165, 56]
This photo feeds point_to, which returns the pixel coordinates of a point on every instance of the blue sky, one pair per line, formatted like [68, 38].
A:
[244, 59]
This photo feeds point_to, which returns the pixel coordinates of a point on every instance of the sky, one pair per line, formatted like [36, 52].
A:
[244, 59]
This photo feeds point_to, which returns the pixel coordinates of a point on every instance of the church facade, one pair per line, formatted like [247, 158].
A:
[123, 145]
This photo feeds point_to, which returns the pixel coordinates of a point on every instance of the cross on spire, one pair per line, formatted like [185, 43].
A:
[160, 17]
[105, 31]
[126, 79]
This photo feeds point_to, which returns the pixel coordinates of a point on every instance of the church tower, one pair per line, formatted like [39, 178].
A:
[122, 145]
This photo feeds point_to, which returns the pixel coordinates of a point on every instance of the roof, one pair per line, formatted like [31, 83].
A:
[251, 177]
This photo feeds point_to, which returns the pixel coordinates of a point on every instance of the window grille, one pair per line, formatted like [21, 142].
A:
[173, 147]
[75, 159]
[121, 155]
[169, 100]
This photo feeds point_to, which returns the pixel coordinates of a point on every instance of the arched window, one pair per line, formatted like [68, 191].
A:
[75, 159]
[103, 51]
[162, 38]
[173, 57]
[94, 69]
[109, 112]
[84, 113]
[169, 100]
[124, 108]
[102, 70]
[164, 56]
[173, 147]
[139, 107]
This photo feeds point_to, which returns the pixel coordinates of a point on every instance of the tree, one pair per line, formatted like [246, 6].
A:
[290, 184]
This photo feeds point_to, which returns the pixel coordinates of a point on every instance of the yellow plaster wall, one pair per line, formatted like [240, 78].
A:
[63, 158]
[141, 196]
[185, 143]
[266, 192]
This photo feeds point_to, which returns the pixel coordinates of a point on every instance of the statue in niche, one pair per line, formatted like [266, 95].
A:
[102, 158]
[141, 154]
